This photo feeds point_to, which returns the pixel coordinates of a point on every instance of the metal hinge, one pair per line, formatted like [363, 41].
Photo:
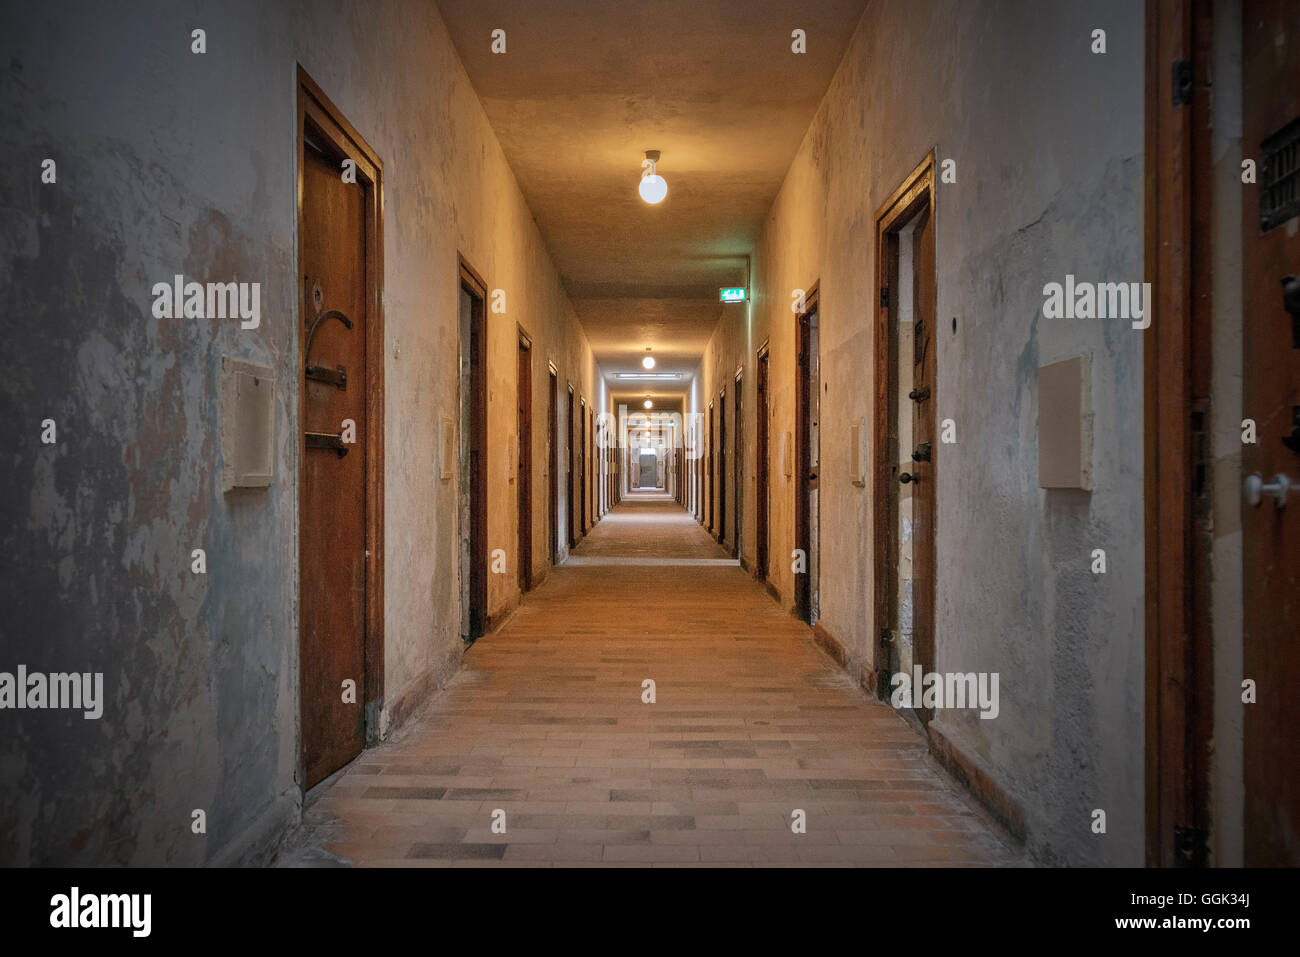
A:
[1182, 82]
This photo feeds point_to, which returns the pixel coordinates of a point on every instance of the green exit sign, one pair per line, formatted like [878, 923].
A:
[731, 295]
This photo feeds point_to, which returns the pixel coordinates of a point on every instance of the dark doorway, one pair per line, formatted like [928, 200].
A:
[582, 465]
[738, 469]
[524, 471]
[710, 491]
[340, 492]
[761, 426]
[473, 455]
[906, 454]
[807, 456]
[553, 466]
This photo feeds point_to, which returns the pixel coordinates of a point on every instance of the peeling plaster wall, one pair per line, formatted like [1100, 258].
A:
[1048, 139]
[171, 162]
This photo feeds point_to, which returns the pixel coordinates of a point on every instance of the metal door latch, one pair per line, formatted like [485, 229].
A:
[921, 453]
[919, 395]
[907, 477]
[1277, 490]
[327, 440]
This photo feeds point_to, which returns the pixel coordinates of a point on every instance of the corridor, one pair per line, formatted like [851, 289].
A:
[733, 432]
[751, 721]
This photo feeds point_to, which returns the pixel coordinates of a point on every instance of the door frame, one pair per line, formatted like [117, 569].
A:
[1176, 368]
[803, 459]
[318, 111]
[916, 190]
[524, 468]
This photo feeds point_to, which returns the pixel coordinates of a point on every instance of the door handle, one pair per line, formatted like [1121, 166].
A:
[907, 477]
[919, 395]
[1277, 490]
[922, 453]
[336, 377]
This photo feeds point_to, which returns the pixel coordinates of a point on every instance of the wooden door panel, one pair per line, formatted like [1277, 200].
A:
[1271, 396]
[332, 509]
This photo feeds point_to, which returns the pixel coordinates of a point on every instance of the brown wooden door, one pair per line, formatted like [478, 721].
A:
[553, 467]
[582, 465]
[806, 461]
[738, 469]
[721, 470]
[524, 473]
[474, 455]
[922, 466]
[333, 477]
[570, 443]
[1271, 396]
[904, 429]
[761, 470]
[710, 489]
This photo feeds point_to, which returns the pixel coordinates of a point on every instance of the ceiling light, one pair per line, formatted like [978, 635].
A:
[648, 403]
[647, 375]
[649, 361]
[653, 187]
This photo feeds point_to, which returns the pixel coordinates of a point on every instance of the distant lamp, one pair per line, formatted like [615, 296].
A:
[648, 404]
[653, 187]
[649, 361]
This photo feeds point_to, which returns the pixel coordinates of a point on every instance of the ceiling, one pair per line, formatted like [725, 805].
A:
[587, 86]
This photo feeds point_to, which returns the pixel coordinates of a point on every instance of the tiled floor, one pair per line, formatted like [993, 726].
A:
[751, 721]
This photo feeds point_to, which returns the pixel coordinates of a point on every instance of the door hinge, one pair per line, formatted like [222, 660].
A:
[1182, 84]
[884, 297]
[1191, 846]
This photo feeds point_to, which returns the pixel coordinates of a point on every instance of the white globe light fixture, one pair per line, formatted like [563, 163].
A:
[653, 187]
[648, 403]
[649, 361]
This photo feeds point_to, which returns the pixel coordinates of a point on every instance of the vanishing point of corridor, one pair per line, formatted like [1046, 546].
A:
[751, 722]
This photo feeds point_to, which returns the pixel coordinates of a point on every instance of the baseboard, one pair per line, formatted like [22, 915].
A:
[831, 645]
[744, 564]
[418, 692]
[502, 614]
[978, 782]
[257, 844]
[772, 590]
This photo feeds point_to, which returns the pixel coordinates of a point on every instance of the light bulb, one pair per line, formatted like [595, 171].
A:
[653, 188]
[648, 362]
[649, 404]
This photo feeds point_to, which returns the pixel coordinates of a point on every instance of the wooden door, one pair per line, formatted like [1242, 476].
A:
[761, 469]
[339, 475]
[905, 454]
[524, 467]
[738, 470]
[807, 457]
[721, 470]
[582, 465]
[569, 476]
[474, 455]
[1271, 396]
[710, 489]
[553, 467]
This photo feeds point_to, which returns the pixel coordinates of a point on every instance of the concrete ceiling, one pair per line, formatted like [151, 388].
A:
[587, 86]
